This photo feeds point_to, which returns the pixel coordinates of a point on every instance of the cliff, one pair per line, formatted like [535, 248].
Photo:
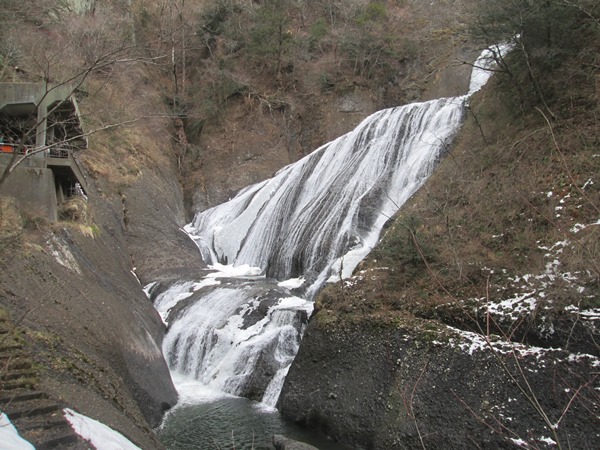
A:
[189, 107]
[474, 322]
[73, 292]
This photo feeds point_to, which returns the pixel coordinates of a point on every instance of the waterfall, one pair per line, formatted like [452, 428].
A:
[335, 199]
[277, 242]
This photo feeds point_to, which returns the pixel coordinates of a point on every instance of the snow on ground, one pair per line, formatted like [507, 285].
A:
[101, 436]
[530, 289]
[524, 444]
[9, 437]
[519, 442]
[471, 343]
[363, 274]
[587, 314]
[580, 226]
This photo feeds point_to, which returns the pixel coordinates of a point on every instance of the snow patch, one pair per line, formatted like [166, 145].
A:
[101, 436]
[9, 436]
[519, 443]
[531, 289]
[579, 226]
[586, 314]
[471, 343]
[547, 440]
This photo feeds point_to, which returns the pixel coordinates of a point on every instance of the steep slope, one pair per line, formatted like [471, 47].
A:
[72, 288]
[78, 303]
[474, 323]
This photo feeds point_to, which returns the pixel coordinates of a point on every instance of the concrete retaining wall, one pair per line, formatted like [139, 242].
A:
[33, 189]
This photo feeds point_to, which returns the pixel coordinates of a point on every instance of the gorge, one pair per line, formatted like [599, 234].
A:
[446, 308]
[238, 330]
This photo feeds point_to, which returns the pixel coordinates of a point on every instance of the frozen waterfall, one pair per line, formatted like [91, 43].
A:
[334, 200]
[238, 330]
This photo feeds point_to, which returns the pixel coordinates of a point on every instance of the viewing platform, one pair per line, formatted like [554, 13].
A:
[40, 129]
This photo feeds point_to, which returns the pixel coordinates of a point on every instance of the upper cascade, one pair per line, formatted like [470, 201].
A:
[320, 216]
[334, 200]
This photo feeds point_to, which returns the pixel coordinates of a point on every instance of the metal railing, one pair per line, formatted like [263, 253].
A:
[54, 152]
[14, 148]
[57, 152]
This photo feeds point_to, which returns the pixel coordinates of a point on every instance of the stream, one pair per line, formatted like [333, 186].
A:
[234, 332]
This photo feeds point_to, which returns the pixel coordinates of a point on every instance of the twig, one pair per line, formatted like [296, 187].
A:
[573, 397]
[412, 397]
[562, 157]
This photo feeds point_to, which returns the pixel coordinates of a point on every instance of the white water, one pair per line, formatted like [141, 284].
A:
[238, 332]
[337, 198]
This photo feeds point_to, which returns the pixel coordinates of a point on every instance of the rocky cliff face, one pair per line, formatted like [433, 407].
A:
[74, 290]
[74, 293]
[474, 323]
[395, 383]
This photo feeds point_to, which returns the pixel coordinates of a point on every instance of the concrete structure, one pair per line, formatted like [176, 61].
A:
[45, 121]
[46, 103]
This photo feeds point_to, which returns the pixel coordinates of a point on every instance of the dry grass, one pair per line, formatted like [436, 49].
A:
[119, 85]
[486, 216]
[11, 228]
[119, 155]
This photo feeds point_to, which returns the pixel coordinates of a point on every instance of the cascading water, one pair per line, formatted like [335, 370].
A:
[238, 330]
[300, 222]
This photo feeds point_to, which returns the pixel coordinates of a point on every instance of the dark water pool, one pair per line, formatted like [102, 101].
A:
[231, 423]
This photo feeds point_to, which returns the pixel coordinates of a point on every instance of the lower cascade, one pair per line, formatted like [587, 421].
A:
[275, 244]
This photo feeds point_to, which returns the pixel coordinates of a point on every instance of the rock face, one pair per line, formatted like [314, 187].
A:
[73, 291]
[282, 443]
[154, 214]
[380, 386]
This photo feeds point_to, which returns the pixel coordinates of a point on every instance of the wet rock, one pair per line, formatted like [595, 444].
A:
[406, 389]
[282, 443]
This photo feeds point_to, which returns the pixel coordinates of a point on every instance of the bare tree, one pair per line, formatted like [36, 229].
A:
[81, 48]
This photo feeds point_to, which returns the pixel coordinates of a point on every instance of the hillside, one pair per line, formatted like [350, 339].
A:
[269, 82]
[478, 311]
[70, 290]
